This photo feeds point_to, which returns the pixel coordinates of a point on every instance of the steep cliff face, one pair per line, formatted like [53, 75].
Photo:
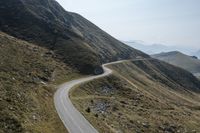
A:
[75, 39]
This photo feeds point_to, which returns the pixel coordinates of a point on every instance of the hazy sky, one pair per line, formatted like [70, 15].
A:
[171, 22]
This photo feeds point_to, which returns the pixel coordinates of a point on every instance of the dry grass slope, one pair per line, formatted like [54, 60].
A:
[186, 62]
[28, 74]
[140, 98]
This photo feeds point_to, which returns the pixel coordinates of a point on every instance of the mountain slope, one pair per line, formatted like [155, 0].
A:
[197, 54]
[181, 60]
[76, 40]
[141, 96]
[68, 44]
[28, 74]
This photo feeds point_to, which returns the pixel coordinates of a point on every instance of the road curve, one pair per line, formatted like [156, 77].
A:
[73, 120]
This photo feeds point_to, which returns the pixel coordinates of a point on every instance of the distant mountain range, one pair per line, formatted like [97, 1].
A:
[179, 59]
[158, 48]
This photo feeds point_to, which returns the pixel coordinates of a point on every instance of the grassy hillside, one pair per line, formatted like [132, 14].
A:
[28, 75]
[181, 60]
[77, 41]
[141, 96]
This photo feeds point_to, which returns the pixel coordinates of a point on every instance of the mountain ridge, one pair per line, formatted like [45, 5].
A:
[189, 63]
[76, 40]
[155, 48]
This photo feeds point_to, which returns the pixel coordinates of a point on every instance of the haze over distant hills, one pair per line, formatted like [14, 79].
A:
[181, 60]
[158, 48]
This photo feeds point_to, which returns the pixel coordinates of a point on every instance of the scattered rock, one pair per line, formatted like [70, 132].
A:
[169, 128]
[49, 53]
[101, 107]
[46, 94]
[145, 124]
[194, 131]
[138, 131]
[46, 70]
[35, 49]
[36, 80]
[11, 108]
[138, 122]
[42, 82]
[18, 95]
[106, 90]
[34, 117]
[162, 127]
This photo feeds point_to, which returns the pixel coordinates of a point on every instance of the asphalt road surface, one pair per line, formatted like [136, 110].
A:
[73, 120]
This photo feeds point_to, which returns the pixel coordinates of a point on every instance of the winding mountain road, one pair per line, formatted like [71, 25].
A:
[73, 120]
